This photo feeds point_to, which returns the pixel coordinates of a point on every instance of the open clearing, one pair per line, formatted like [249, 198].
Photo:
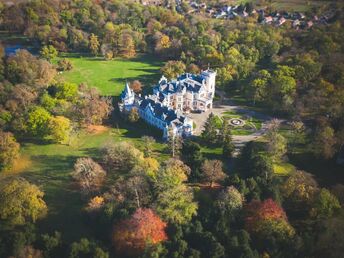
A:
[110, 76]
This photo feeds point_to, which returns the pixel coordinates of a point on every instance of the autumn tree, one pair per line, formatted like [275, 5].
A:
[21, 202]
[48, 52]
[136, 86]
[59, 129]
[122, 156]
[133, 115]
[88, 174]
[131, 236]
[9, 150]
[212, 171]
[277, 145]
[324, 142]
[265, 218]
[172, 69]
[94, 44]
[299, 191]
[23, 67]
[91, 107]
[64, 65]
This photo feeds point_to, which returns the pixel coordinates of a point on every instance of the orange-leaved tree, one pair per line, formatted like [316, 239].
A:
[131, 236]
[265, 217]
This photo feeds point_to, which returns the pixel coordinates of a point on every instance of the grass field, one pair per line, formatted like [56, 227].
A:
[110, 76]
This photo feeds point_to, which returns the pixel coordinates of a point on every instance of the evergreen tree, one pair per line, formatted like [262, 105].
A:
[209, 133]
[226, 140]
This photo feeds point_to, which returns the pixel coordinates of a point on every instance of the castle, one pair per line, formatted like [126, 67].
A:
[171, 100]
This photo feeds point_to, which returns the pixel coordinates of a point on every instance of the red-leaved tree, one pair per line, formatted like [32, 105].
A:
[131, 236]
[266, 215]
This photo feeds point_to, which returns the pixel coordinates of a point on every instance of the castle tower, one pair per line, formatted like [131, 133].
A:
[210, 77]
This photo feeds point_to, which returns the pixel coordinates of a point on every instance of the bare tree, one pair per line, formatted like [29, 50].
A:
[88, 174]
[212, 171]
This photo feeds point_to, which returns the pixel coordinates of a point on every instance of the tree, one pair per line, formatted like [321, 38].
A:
[230, 201]
[226, 140]
[122, 156]
[26, 68]
[94, 44]
[48, 52]
[91, 107]
[209, 133]
[9, 150]
[212, 171]
[148, 143]
[38, 122]
[172, 69]
[174, 143]
[266, 218]
[132, 236]
[88, 174]
[325, 205]
[192, 156]
[277, 145]
[59, 129]
[299, 190]
[136, 86]
[21, 202]
[64, 65]
[324, 142]
[133, 115]
[86, 248]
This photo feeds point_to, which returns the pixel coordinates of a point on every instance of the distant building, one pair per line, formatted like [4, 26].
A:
[171, 100]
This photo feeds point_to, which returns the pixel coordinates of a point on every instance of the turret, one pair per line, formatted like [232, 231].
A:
[210, 77]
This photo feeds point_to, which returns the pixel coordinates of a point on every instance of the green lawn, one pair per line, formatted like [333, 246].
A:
[110, 76]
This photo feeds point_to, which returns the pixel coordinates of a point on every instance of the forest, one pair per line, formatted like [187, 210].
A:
[123, 192]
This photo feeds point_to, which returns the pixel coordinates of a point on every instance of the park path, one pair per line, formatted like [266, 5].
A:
[226, 105]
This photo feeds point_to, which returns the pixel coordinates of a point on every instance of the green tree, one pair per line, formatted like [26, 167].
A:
[148, 144]
[38, 122]
[325, 205]
[192, 156]
[174, 202]
[209, 133]
[9, 150]
[172, 69]
[230, 201]
[277, 145]
[21, 202]
[48, 52]
[59, 129]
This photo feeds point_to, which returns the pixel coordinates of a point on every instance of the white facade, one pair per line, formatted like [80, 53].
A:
[165, 109]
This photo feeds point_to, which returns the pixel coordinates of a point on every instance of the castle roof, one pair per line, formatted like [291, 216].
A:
[162, 112]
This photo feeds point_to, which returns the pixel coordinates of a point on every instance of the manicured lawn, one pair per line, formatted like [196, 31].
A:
[251, 123]
[110, 76]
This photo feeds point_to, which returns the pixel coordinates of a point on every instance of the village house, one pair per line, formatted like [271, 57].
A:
[167, 107]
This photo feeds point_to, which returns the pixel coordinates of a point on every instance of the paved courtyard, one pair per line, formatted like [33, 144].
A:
[218, 109]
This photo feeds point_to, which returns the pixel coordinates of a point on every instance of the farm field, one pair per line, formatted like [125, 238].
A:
[110, 76]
